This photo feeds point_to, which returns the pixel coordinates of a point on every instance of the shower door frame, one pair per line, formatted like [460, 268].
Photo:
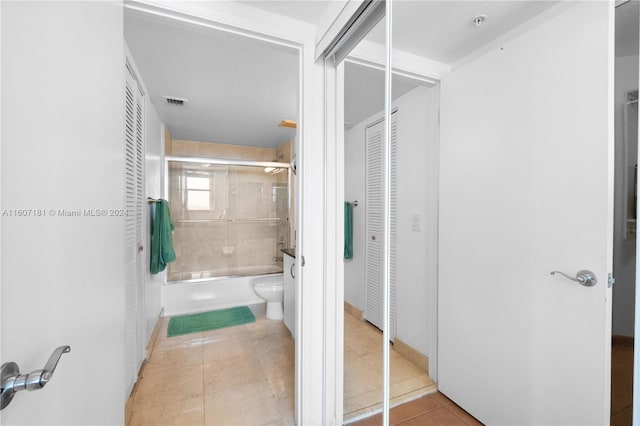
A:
[225, 162]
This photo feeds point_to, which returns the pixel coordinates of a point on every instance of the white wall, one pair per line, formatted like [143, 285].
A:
[62, 148]
[154, 179]
[624, 250]
[417, 154]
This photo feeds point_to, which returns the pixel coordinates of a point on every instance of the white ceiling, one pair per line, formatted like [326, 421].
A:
[364, 92]
[444, 30]
[238, 89]
[308, 11]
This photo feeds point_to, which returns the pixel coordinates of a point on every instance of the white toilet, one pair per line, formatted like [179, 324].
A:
[271, 289]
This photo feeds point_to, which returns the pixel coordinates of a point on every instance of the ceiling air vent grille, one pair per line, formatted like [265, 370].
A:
[171, 100]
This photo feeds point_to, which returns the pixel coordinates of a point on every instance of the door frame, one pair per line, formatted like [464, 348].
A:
[245, 21]
[407, 67]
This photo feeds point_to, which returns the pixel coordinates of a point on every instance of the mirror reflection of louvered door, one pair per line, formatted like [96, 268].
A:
[134, 233]
[374, 247]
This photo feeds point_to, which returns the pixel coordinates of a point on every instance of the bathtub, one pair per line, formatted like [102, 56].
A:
[210, 293]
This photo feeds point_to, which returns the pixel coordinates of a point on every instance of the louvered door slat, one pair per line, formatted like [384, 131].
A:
[374, 225]
[133, 223]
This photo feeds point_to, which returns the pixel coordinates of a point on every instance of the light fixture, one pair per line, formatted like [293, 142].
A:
[479, 20]
[288, 123]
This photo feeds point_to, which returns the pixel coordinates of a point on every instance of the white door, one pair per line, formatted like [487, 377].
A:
[134, 233]
[526, 189]
[373, 295]
[63, 280]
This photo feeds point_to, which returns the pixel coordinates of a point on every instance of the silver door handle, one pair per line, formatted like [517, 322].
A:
[12, 381]
[293, 265]
[584, 277]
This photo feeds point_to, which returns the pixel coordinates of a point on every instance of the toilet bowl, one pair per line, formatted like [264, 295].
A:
[271, 289]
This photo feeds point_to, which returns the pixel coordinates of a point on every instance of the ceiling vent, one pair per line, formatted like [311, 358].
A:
[175, 101]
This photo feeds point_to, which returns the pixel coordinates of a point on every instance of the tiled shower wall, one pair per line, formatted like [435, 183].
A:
[246, 221]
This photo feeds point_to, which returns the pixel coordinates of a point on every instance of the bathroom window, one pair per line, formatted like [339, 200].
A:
[198, 193]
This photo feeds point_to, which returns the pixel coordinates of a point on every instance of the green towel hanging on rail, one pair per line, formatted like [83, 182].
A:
[162, 251]
[348, 230]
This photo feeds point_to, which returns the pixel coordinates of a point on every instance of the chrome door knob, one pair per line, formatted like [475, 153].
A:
[584, 277]
[12, 381]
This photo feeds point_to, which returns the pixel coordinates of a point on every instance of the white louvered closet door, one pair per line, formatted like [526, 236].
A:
[134, 232]
[373, 294]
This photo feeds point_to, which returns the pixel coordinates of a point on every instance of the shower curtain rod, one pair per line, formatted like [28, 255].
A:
[353, 203]
[223, 162]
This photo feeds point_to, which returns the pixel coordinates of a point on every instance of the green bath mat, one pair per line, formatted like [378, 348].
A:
[211, 320]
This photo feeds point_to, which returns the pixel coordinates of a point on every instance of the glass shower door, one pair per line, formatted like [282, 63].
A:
[229, 219]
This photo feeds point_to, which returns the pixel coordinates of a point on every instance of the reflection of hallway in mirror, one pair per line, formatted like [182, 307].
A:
[363, 372]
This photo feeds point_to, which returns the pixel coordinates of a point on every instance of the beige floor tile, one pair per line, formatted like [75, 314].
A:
[410, 385]
[174, 357]
[251, 405]
[401, 369]
[363, 371]
[220, 347]
[283, 385]
[224, 332]
[361, 401]
[265, 342]
[169, 386]
[360, 378]
[186, 412]
[234, 371]
[363, 343]
[279, 360]
[286, 410]
[216, 373]
[265, 325]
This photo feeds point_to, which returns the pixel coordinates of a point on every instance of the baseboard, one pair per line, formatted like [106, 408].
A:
[353, 311]
[128, 413]
[414, 356]
[154, 334]
[617, 339]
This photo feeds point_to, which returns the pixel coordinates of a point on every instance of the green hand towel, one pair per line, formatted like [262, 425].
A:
[348, 230]
[162, 251]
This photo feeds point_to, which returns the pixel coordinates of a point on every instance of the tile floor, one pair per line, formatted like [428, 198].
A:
[434, 410]
[207, 378]
[240, 375]
[363, 372]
